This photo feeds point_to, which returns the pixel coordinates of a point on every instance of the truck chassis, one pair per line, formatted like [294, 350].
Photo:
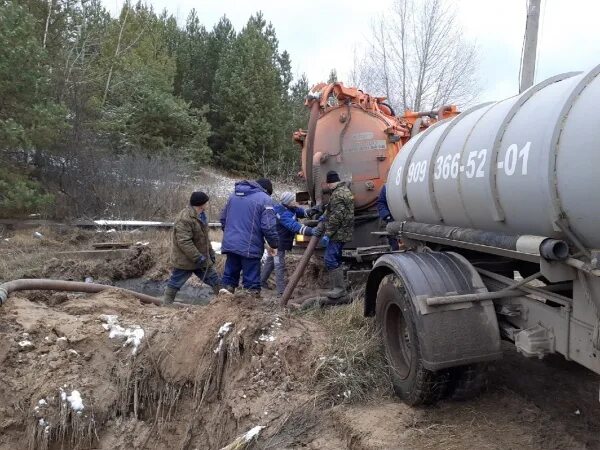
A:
[445, 304]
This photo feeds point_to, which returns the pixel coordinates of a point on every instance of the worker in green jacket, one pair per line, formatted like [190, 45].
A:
[191, 250]
[338, 230]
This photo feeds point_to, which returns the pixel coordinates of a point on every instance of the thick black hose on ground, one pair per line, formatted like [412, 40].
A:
[37, 284]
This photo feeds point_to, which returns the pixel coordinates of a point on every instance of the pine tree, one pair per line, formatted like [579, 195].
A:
[29, 117]
[249, 92]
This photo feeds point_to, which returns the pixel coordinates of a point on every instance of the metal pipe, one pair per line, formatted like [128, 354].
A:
[41, 284]
[310, 145]
[508, 291]
[416, 128]
[565, 229]
[318, 189]
[580, 265]
[291, 285]
[451, 299]
[556, 298]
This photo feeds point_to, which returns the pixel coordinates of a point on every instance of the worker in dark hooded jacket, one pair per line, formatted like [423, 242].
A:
[287, 213]
[339, 227]
[248, 220]
[386, 215]
[191, 249]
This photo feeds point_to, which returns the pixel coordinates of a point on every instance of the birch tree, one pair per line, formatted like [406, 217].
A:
[418, 57]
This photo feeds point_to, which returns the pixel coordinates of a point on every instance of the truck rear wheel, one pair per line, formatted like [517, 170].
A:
[395, 315]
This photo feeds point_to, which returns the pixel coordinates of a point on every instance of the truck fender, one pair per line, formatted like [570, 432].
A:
[450, 335]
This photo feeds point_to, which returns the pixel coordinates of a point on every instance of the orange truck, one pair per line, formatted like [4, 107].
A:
[358, 136]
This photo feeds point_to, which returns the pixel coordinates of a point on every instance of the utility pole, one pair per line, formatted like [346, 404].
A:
[530, 45]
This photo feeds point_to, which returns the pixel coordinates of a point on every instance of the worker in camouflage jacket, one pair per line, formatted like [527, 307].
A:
[191, 250]
[338, 229]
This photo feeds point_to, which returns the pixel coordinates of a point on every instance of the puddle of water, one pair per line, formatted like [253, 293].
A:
[192, 295]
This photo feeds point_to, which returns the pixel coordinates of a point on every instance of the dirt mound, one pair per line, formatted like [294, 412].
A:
[105, 371]
[178, 378]
[132, 266]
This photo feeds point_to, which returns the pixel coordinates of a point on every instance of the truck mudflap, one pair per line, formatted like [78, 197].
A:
[449, 335]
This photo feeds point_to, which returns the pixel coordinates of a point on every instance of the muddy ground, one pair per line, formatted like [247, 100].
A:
[312, 379]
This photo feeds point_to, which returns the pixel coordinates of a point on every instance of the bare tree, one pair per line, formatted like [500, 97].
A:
[418, 58]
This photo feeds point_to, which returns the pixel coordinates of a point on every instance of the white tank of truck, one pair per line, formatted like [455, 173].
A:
[529, 164]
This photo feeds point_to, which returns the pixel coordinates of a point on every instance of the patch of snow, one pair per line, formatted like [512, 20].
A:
[89, 280]
[73, 352]
[225, 328]
[133, 336]
[7, 239]
[42, 402]
[38, 235]
[142, 243]
[268, 335]
[25, 343]
[75, 400]
[577, 413]
[347, 393]
[42, 422]
[253, 433]
[216, 247]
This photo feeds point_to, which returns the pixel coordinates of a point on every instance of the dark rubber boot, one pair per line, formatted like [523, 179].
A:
[337, 283]
[169, 295]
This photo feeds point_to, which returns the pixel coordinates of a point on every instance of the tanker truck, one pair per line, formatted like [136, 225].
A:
[499, 211]
[358, 136]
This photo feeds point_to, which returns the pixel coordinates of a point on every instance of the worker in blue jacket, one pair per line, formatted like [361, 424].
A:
[287, 213]
[248, 219]
[386, 215]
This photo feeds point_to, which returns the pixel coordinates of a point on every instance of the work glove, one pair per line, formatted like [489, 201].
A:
[201, 262]
[309, 231]
[314, 211]
[323, 218]
[325, 241]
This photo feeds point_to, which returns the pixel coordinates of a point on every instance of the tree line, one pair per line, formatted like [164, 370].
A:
[74, 79]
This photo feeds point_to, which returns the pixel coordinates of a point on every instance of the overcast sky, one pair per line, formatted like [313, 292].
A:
[321, 35]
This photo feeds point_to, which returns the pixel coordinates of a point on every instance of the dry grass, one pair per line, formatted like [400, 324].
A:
[23, 253]
[354, 368]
